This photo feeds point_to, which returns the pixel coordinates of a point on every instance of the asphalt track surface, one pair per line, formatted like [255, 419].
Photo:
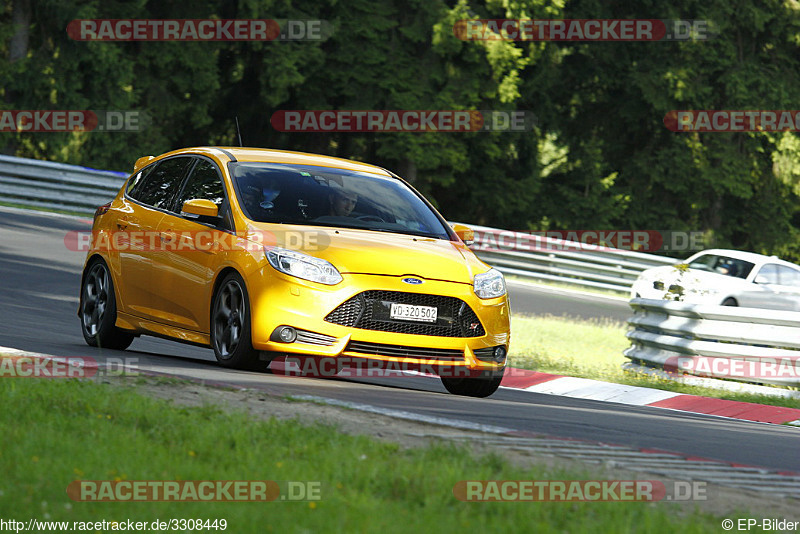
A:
[39, 277]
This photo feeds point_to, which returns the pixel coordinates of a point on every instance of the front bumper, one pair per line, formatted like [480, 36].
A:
[278, 300]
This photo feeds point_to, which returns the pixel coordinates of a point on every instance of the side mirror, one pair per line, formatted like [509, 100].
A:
[200, 207]
[465, 233]
[141, 162]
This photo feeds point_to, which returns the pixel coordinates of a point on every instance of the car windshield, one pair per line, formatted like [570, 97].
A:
[722, 265]
[323, 196]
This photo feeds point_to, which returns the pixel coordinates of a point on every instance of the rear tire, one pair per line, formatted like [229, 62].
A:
[230, 325]
[98, 311]
[482, 386]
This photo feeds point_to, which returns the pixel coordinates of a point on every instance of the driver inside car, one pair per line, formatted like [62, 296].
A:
[342, 202]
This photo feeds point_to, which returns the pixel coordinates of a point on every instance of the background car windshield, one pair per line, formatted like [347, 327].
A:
[722, 265]
[313, 195]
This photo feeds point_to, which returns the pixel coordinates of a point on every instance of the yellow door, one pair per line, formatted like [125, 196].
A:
[191, 251]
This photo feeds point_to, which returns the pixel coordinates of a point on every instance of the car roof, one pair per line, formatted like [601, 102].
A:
[268, 155]
[752, 257]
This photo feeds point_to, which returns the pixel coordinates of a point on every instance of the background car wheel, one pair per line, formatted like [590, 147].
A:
[230, 325]
[730, 302]
[481, 386]
[99, 310]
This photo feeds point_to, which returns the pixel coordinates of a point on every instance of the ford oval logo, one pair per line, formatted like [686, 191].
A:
[412, 281]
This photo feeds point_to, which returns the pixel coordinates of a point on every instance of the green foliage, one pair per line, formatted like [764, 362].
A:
[600, 156]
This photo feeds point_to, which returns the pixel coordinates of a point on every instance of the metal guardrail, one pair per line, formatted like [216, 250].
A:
[56, 185]
[534, 255]
[743, 344]
[79, 189]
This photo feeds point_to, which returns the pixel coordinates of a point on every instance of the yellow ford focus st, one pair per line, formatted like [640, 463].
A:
[263, 253]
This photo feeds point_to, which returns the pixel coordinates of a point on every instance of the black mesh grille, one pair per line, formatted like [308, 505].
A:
[402, 351]
[370, 311]
[485, 354]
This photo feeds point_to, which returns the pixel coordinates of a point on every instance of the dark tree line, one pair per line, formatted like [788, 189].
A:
[600, 156]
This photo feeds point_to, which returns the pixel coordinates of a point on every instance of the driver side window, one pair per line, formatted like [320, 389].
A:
[204, 182]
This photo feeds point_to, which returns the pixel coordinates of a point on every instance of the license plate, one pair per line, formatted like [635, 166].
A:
[410, 312]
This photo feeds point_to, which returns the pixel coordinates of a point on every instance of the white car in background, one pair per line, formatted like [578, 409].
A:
[727, 278]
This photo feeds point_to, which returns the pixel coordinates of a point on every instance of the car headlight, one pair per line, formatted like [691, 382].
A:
[303, 266]
[490, 284]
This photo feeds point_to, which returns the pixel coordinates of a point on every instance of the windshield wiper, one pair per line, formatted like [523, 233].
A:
[406, 232]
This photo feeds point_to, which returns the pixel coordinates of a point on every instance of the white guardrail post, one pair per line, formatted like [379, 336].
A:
[744, 344]
[73, 188]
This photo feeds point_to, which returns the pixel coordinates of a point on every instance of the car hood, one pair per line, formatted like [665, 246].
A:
[371, 252]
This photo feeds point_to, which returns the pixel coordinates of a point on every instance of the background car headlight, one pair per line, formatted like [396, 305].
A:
[303, 266]
[490, 284]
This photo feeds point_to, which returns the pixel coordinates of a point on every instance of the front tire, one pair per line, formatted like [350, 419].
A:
[482, 386]
[230, 325]
[99, 310]
[730, 302]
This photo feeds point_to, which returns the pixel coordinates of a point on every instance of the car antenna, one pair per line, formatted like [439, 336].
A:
[237, 130]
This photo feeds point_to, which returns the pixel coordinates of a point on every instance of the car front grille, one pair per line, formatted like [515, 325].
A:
[486, 354]
[369, 310]
[401, 351]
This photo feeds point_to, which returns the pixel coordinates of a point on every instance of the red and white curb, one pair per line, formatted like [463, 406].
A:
[536, 382]
[584, 388]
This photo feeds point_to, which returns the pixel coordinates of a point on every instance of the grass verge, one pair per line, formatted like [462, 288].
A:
[58, 431]
[593, 349]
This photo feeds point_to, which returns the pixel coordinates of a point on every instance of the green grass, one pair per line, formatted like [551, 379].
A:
[593, 349]
[58, 431]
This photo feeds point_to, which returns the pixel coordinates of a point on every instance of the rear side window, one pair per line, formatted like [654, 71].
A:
[159, 187]
[204, 182]
[137, 180]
